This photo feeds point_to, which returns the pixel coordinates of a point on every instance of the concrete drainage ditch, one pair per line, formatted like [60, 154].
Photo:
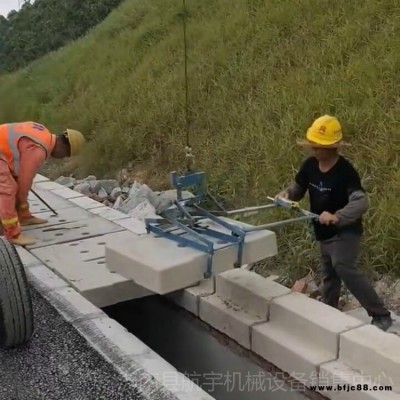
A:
[290, 330]
[209, 359]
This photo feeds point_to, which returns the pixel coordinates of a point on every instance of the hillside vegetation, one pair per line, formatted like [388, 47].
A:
[259, 73]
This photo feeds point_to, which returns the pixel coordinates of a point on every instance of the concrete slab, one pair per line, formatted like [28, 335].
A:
[82, 264]
[258, 244]
[54, 201]
[342, 378]
[312, 320]
[189, 298]
[65, 215]
[249, 290]
[363, 316]
[67, 193]
[69, 232]
[109, 213]
[40, 178]
[133, 225]
[373, 353]
[46, 185]
[85, 202]
[172, 268]
[228, 318]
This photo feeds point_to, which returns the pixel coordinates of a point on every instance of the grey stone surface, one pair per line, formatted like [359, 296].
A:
[107, 184]
[228, 319]
[115, 193]
[40, 178]
[47, 185]
[87, 272]
[108, 213]
[65, 215]
[67, 193]
[89, 178]
[102, 193]
[66, 181]
[68, 232]
[86, 203]
[83, 188]
[59, 364]
[56, 202]
[190, 298]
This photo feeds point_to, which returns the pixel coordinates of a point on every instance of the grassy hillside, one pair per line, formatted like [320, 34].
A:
[259, 73]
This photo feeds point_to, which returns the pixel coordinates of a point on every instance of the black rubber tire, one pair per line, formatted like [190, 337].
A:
[16, 311]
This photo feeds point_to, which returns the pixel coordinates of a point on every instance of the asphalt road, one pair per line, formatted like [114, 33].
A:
[58, 364]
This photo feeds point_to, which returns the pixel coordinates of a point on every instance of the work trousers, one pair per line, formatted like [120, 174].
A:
[339, 259]
[9, 216]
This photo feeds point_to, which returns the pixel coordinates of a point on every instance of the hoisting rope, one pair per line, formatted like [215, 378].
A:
[188, 149]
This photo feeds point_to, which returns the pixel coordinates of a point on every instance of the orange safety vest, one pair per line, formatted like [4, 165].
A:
[10, 134]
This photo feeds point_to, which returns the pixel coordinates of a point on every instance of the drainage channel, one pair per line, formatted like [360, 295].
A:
[188, 344]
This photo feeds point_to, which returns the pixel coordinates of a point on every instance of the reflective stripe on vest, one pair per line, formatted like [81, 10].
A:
[13, 138]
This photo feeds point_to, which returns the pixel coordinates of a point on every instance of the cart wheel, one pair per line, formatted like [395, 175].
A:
[16, 315]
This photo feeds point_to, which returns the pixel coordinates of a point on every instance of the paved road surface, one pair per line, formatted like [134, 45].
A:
[58, 364]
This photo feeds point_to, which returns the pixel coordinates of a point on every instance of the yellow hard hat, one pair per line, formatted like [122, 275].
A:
[325, 131]
[76, 141]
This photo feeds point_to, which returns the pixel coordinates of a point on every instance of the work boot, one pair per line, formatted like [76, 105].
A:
[32, 221]
[383, 323]
[22, 240]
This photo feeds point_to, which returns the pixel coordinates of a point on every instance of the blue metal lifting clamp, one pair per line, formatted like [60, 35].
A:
[187, 217]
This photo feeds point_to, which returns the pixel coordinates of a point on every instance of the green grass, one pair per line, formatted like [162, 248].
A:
[259, 73]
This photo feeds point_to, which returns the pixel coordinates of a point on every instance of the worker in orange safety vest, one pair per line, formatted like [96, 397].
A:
[24, 147]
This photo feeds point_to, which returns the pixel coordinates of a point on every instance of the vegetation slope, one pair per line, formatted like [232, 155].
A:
[259, 72]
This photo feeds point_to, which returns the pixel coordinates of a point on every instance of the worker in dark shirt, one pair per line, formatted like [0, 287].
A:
[337, 196]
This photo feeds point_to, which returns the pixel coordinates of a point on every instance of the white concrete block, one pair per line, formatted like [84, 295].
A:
[303, 316]
[172, 268]
[189, 298]
[85, 202]
[372, 352]
[46, 185]
[68, 232]
[228, 318]
[40, 178]
[133, 225]
[65, 215]
[54, 201]
[301, 334]
[67, 193]
[85, 269]
[108, 213]
[289, 351]
[258, 244]
[249, 290]
[348, 384]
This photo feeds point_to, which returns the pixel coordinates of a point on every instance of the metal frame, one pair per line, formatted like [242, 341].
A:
[187, 217]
